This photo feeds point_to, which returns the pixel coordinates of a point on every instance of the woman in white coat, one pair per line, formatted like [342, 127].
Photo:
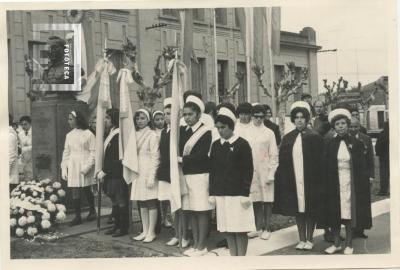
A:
[77, 165]
[145, 186]
[265, 160]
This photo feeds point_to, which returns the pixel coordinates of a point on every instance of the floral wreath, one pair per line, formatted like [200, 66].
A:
[74, 15]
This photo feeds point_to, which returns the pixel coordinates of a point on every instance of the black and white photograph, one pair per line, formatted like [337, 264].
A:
[184, 130]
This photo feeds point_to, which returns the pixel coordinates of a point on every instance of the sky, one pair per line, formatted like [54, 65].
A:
[359, 32]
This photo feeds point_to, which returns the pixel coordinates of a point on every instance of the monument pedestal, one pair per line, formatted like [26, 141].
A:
[49, 128]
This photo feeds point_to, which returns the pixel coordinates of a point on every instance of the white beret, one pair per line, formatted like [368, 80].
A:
[157, 112]
[196, 101]
[228, 113]
[145, 112]
[300, 104]
[337, 112]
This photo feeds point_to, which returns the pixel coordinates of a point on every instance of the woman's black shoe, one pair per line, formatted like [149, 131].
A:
[110, 231]
[119, 234]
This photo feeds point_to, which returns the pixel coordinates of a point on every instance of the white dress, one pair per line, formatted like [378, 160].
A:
[344, 180]
[79, 158]
[265, 160]
[25, 142]
[232, 216]
[297, 154]
[148, 155]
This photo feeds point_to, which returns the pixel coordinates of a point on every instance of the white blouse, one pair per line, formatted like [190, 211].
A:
[298, 166]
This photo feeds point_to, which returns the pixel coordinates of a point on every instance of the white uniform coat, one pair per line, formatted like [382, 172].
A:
[78, 159]
[265, 160]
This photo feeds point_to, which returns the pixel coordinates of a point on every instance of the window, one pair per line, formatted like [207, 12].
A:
[170, 12]
[241, 94]
[198, 14]
[199, 76]
[220, 16]
[237, 23]
[222, 77]
[381, 119]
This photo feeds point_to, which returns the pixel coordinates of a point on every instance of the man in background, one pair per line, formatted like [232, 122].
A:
[25, 142]
[320, 122]
[356, 114]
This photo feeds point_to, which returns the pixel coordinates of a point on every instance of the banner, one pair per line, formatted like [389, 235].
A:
[127, 135]
[105, 68]
[178, 87]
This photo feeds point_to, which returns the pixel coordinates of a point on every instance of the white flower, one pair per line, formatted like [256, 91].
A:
[45, 224]
[47, 181]
[29, 213]
[32, 231]
[35, 194]
[30, 219]
[22, 221]
[61, 193]
[61, 207]
[21, 211]
[19, 232]
[46, 216]
[57, 185]
[15, 211]
[23, 196]
[60, 216]
[53, 198]
[49, 189]
[13, 222]
[51, 207]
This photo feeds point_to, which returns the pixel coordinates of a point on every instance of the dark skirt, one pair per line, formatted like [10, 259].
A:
[117, 190]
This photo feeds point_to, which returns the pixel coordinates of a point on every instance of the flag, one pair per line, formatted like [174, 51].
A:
[127, 132]
[105, 69]
[259, 44]
[186, 17]
[178, 87]
[272, 17]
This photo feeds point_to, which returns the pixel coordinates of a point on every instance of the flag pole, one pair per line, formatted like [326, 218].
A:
[249, 44]
[271, 63]
[216, 59]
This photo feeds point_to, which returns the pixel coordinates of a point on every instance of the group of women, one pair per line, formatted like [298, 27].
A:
[229, 161]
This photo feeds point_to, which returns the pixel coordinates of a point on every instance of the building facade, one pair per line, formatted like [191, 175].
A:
[113, 26]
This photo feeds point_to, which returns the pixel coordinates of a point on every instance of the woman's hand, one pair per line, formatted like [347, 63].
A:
[100, 175]
[245, 201]
[64, 175]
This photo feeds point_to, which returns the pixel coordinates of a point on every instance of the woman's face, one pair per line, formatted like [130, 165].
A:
[191, 117]
[159, 121]
[167, 116]
[258, 119]
[71, 121]
[341, 127]
[244, 118]
[141, 120]
[107, 122]
[224, 131]
[300, 121]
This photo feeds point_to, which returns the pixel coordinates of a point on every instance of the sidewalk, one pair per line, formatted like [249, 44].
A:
[282, 242]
